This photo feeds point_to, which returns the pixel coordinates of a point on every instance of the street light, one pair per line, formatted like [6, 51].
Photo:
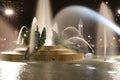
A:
[9, 12]
[118, 11]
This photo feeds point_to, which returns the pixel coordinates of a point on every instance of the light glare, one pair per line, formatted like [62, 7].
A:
[111, 61]
[6, 71]
[90, 67]
[9, 12]
[118, 11]
[112, 72]
[77, 64]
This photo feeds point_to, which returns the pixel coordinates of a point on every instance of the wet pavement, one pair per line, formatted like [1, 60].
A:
[74, 70]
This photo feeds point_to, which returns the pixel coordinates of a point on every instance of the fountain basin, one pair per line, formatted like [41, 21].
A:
[46, 53]
[58, 53]
[60, 57]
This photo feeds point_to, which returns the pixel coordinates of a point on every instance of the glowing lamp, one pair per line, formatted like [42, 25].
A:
[9, 12]
[118, 11]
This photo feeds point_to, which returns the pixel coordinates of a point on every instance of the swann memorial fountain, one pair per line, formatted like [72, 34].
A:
[65, 42]
[57, 46]
[60, 42]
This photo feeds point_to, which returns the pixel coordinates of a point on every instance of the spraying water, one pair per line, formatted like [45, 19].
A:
[74, 35]
[106, 34]
[19, 35]
[80, 27]
[81, 11]
[78, 40]
[32, 37]
[77, 12]
[55, 27]
[43, 16]
[101, 19]
[72, 32]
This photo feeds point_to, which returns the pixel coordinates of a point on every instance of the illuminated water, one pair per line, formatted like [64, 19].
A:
[32, 33]
[79, 70]
[82, 70]
[72, 32]
[79, 11]
[81, 41]
[63, 19]
[80, 27]
[105, 36]
[44, 19]
[19, 41]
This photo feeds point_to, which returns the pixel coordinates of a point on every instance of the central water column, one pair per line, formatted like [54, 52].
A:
[43, 16]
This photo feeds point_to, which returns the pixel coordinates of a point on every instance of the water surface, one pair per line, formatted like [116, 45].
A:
[75, 70]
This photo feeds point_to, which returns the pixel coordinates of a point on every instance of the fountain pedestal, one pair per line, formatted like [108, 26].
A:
[46, 53]
[57, 53]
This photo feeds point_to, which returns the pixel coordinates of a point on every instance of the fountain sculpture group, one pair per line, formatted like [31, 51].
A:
[60, 42]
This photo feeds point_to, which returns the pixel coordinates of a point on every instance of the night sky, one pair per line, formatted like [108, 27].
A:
[29, 8]
[57, 5]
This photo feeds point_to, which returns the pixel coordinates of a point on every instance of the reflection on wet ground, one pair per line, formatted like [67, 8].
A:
[74, 70]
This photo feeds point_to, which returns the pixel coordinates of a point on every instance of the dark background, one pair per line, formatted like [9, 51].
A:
[29, 9]
[57, 5]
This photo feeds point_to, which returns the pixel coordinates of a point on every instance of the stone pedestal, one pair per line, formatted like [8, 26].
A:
[57, 53]
[46, 53]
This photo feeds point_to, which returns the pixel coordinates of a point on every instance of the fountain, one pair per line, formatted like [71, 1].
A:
[19, 41]
[71, 32]
[69, 39]
[51, 52]
[80, 42]
[80, 27]
[44, 19]
[77, 12]
[73, 37]
[106, 46]
[87, 15]
[32, 37]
